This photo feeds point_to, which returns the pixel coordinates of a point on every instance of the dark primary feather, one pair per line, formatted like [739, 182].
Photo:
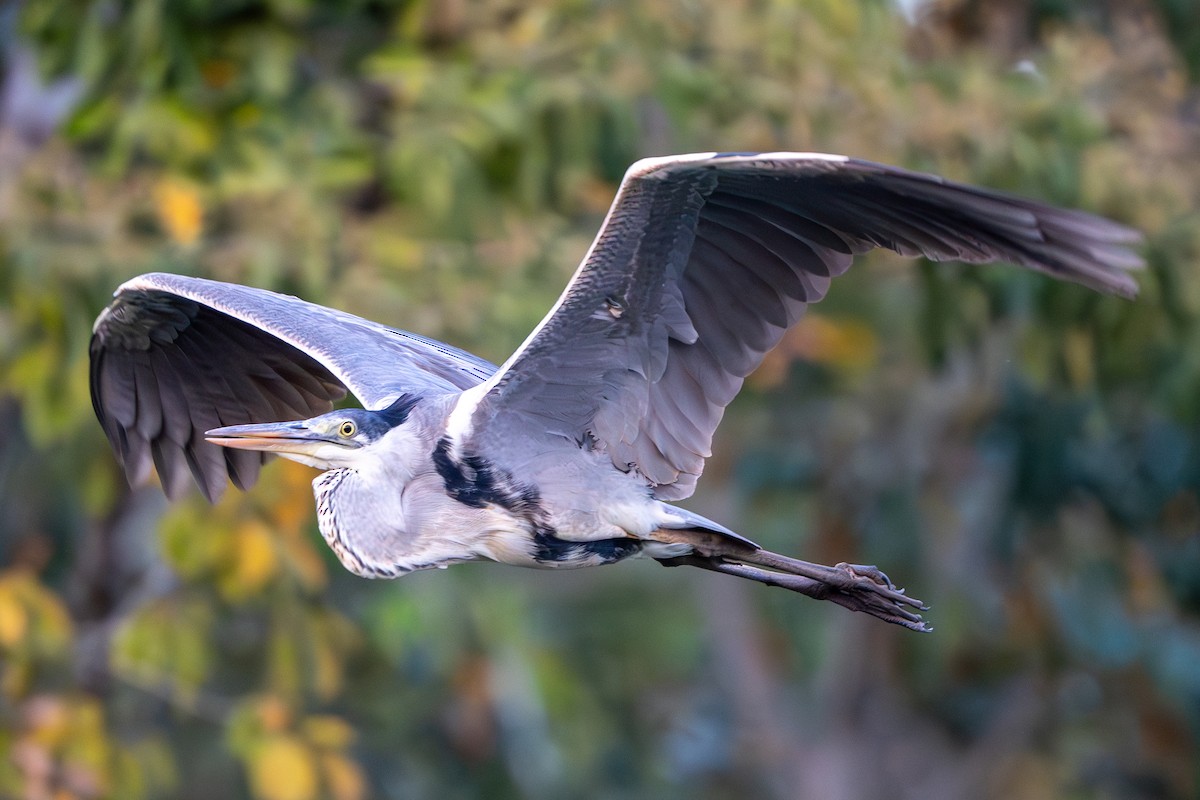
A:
[174, 356]
[710, 259]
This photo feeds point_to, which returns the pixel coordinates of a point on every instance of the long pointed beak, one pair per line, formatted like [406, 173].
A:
[276, 437]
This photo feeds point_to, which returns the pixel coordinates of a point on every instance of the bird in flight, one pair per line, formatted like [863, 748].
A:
[568, 454]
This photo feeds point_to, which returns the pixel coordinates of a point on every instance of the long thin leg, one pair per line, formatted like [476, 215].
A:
[886, 604]
[852, 586]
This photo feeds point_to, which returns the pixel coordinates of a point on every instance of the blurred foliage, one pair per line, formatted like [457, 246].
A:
[1024, 455]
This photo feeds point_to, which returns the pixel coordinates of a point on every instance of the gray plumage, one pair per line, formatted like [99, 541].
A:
[565, 455]
[173, 357]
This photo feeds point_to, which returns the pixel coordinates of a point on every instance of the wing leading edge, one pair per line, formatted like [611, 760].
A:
[173, 356]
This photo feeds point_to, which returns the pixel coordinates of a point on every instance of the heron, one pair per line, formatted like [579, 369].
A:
[570, 453]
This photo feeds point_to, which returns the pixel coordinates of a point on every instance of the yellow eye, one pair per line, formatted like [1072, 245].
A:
[347, 429]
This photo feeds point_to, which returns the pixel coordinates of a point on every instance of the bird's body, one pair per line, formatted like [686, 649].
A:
[567, 454]
[462, 508]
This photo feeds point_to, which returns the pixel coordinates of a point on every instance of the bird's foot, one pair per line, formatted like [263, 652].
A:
[868, 589]
[857, 587]
[867, 571]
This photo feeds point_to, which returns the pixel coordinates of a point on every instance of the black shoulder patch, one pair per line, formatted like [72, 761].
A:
[476, 482]
[398, 411]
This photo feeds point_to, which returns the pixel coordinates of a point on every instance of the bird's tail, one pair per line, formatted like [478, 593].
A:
[856, 587]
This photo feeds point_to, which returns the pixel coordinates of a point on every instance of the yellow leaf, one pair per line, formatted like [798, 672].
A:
[283, 769]
[179, 210]
[31, 613]
[343, 777]
[302, 559]
[254, 560]
[293, 507]
[327, 731]
[13, 619]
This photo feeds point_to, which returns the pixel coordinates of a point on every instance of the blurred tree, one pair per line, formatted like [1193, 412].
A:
[1023, 452]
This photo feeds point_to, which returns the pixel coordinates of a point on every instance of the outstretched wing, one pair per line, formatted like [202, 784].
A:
[172, 357]
[701, 265]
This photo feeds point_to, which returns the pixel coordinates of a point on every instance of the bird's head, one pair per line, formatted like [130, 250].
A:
[341, 438]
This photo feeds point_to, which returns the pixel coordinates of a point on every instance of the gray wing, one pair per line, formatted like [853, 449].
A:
[172, 357]
[705, 260]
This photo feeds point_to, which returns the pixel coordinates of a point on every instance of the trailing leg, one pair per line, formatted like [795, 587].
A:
[856, 587]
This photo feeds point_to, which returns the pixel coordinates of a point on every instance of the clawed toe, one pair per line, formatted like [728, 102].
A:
[865, 581]
[867, 571]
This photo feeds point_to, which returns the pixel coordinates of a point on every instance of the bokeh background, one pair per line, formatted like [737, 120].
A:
[1023, 455]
